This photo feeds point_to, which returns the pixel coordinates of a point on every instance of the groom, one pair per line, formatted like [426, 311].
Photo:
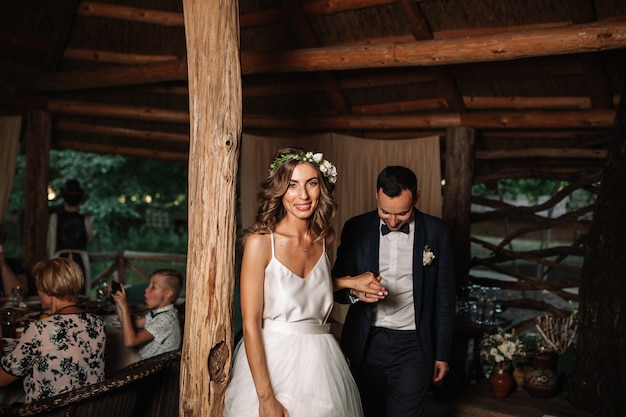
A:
[399, 345]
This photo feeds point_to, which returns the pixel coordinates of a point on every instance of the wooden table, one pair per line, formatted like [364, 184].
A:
[478, 401]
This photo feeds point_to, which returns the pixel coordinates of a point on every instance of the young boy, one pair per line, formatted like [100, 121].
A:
[159, 331]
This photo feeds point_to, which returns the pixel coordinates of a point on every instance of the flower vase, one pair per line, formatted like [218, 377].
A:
[501, 381]
[541, 379]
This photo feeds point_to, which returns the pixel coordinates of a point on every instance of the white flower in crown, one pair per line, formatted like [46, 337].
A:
[427, 256]
[327, 169]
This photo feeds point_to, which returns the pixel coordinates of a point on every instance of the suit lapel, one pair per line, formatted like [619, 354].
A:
[374, 229]
[418, 269]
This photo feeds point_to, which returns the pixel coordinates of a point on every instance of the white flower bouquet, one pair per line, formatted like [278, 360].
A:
[503, 348]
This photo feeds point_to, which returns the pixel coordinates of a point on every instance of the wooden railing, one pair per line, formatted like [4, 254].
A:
[557, 268]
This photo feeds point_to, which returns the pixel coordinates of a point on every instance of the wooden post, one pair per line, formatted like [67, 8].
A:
[37, 148]
[599, 374]
[459, 172]
[212, 34]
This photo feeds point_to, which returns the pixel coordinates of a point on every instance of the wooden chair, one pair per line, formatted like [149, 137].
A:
[117, 396]
[160, 393]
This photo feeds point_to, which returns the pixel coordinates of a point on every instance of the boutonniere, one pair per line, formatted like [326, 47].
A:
[427, 256]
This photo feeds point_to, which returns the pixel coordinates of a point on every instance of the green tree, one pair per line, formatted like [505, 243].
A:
[119, 193]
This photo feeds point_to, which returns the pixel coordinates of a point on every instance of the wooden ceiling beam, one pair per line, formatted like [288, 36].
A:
[595, 76]
[484, 120]
[101, 148]
[108, 77]
[479, 103]
[527, 103]
[121, 131]
[421, 31]
[501, 120]
[575, 39]
[540, 153]
[565, 134]
[302, 27]
[133, 14]
[402, 106]
[117, 111]
[501, 47]
[110, 57]
[66, 11]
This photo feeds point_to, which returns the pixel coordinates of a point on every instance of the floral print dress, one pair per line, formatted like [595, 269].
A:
[58, 354]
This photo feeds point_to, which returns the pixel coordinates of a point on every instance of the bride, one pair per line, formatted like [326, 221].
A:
[288, 363]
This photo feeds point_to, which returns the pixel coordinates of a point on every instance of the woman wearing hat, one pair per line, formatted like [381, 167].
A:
[68, 228]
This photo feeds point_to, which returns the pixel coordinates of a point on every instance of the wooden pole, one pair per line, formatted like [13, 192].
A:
[215, 103]
[599, 379]
[459, 173]
[37, 149]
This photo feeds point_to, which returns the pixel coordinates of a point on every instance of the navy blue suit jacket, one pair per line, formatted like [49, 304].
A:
[433, 285]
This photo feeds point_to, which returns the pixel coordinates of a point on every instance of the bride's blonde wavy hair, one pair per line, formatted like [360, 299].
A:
[270, 195]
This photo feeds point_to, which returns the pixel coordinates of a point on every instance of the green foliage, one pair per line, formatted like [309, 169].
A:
[118, 193]
[530, 188]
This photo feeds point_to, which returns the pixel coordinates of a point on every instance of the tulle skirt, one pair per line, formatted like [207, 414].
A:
[309, 375]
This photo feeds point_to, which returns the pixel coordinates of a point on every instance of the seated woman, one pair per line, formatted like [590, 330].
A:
[64, 351]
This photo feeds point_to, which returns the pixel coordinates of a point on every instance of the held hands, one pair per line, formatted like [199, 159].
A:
[367, 288]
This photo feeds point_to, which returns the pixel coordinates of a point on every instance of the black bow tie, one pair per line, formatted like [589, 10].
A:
[384, 229]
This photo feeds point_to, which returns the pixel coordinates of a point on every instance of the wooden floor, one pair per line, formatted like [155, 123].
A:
[478, 401]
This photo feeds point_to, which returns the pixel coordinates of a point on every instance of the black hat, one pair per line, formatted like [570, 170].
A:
[72, 193]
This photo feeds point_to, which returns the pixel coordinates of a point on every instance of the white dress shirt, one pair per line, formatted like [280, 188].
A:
[395, 263]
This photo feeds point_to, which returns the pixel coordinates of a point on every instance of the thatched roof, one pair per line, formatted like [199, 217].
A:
[539, 80]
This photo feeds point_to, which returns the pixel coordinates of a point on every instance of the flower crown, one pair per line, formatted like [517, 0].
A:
[326, 168]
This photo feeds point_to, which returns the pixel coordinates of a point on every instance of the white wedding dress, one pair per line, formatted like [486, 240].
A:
[307, 369]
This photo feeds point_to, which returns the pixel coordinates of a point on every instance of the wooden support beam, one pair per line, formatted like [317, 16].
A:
[459, 174]
[37, 148]
[212, 38]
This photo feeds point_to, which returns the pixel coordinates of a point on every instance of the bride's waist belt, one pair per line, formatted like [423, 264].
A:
[303, 328]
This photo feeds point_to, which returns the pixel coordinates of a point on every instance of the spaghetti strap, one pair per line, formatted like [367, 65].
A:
[272, 240]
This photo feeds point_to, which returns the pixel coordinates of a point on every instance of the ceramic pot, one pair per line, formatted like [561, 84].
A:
[541, 379]
[501, 381]
[518, 376]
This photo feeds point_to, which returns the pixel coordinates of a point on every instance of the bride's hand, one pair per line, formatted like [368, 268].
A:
[367, 288]
[271, 407]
